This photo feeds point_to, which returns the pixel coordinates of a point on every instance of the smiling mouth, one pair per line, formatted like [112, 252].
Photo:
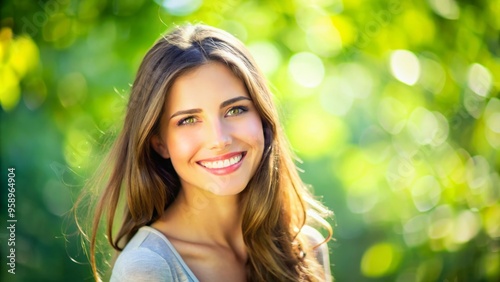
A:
[232, 159]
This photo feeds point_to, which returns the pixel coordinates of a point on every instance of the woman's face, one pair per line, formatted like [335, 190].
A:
[211, 131]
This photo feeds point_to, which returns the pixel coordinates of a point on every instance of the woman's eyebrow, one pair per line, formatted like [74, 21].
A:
[186, 112]
[222, 105]
[233, 100]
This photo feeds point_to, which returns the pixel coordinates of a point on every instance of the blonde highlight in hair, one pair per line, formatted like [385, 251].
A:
[275, 201]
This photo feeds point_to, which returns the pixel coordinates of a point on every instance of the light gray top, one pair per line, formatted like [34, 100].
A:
[149, 256]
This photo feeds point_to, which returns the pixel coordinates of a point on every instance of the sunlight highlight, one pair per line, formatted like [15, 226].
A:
[306, 69]
[479, 80]
[379, 260]
[405, 66]
[268, 57]
[447, 9]
[180, 7]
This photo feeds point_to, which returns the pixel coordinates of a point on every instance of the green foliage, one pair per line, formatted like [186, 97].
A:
[392, 105]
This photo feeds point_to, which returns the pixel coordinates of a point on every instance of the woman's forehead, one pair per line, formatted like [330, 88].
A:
[209, 82]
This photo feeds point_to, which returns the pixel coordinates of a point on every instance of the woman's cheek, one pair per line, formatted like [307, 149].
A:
[183, 144]
[255, 132]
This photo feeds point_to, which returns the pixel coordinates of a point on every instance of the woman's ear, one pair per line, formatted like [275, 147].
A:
[159, 146]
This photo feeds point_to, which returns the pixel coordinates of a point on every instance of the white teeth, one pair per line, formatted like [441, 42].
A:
[222, 164]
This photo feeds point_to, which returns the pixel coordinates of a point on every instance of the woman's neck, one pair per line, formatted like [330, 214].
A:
[200, 216]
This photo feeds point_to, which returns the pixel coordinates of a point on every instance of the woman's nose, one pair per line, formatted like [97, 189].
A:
[218, 135]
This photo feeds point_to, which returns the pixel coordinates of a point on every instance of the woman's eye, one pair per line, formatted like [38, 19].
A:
[186, 121]
[234, 111]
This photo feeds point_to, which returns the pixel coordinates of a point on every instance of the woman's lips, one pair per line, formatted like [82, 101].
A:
[224, 164]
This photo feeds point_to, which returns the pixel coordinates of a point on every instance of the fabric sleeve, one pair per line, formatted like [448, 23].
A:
[141, 264]
[321, 253]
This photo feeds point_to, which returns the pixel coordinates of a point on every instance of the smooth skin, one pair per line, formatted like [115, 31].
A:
[209, 117]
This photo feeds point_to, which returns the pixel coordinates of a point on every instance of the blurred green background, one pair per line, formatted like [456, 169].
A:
[393, 106]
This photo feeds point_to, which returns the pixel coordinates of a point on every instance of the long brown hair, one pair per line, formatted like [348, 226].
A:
[275, 202]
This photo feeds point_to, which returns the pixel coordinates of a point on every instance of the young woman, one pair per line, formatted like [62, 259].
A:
[209, 187]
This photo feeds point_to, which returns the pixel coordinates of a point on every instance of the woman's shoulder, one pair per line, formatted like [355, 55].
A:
[140, 264]
[317, 242]
[313, 236]
[148, 256]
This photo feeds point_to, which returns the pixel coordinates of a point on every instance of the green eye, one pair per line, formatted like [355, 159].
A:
[236, 111]
[188, 120]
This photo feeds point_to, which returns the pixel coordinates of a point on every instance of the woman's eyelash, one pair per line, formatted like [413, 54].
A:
[186, 121]
[239, 110]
